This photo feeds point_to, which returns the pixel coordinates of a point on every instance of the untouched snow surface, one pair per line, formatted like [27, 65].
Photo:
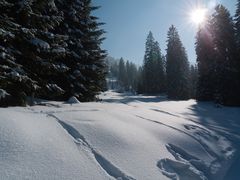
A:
[123, 137]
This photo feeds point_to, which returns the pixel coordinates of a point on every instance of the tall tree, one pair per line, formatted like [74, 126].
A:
[51, 49]
[122, 72]
[148, 76]
[237, 26]
[158, 69]
[177, 67]
[86, 58]
[193, 79]
[30, 48]
[205, 51]
[226, 75]
[153, 72]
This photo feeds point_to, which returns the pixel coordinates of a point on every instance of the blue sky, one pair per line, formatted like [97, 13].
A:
[129, 21]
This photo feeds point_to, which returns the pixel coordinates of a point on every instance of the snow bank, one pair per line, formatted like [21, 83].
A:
[73, 100]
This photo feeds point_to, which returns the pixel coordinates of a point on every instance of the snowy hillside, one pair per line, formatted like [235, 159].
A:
[123, 137]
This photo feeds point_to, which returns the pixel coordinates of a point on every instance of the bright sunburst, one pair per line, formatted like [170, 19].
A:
[198, 16]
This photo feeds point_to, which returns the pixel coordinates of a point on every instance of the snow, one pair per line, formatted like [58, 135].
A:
[3, 94]
[122, 137]
[59, 50]
[73, 100]
[40, 43]
[55, 87]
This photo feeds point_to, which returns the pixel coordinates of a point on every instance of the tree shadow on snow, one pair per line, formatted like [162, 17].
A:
[226, 122]
[125, 99]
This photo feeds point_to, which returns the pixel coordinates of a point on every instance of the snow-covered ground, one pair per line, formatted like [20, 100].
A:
[123, 137]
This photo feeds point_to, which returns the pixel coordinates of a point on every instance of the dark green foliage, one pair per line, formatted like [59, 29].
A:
[86, 59]
[193, 79]
[177, 67]
[126, 74]
[153, 68]
[50, 49]
[206, 63]
[226, 62]
[237, 28]
[122, 76]
[218, 61]
[237, 24]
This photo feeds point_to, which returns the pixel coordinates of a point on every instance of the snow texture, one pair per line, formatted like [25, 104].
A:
[3, 94]
[122, 137]
[73, 100]
[40, 43]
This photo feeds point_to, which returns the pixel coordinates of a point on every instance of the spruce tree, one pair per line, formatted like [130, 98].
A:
[158, 69]
[86, 58]
[153, 70]
[237, 24]
[148, 64]
[122, 73]
[32, 47]
[50, 49]
[205, 51]
[177, 67]
[193, 79]
[226, 76]
[237, 28]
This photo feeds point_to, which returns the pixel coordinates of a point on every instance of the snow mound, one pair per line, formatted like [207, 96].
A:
[73, 100]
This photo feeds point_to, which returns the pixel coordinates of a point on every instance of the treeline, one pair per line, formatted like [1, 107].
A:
[50, 49]
[159, 74]
[218, 57]
[216, 77]
[170, 74]
[125, 72]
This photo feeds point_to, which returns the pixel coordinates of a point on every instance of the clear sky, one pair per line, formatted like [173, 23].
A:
[129, 21]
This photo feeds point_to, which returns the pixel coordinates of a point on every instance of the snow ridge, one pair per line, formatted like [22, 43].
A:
[217, 146]
[80, 140]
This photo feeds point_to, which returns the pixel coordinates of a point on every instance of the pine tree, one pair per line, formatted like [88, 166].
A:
[153, 70]
[14, 80]
[148, 74]
[26, 24]
[226, 75]
[205, 51]
[86, 58]
[122, 73]
[177, 67]
[158, 69]
[193, 81]
[50, 49]
[237, 27]
[237, 24]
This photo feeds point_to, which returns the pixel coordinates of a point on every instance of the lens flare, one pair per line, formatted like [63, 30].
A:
[198, 16]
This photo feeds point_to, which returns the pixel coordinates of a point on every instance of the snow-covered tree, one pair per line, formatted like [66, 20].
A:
[50, 49]
[86, 58]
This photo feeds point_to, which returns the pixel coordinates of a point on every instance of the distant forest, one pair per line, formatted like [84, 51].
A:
[215, 77]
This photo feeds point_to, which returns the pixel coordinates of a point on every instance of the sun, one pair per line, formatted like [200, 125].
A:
[198, 16]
